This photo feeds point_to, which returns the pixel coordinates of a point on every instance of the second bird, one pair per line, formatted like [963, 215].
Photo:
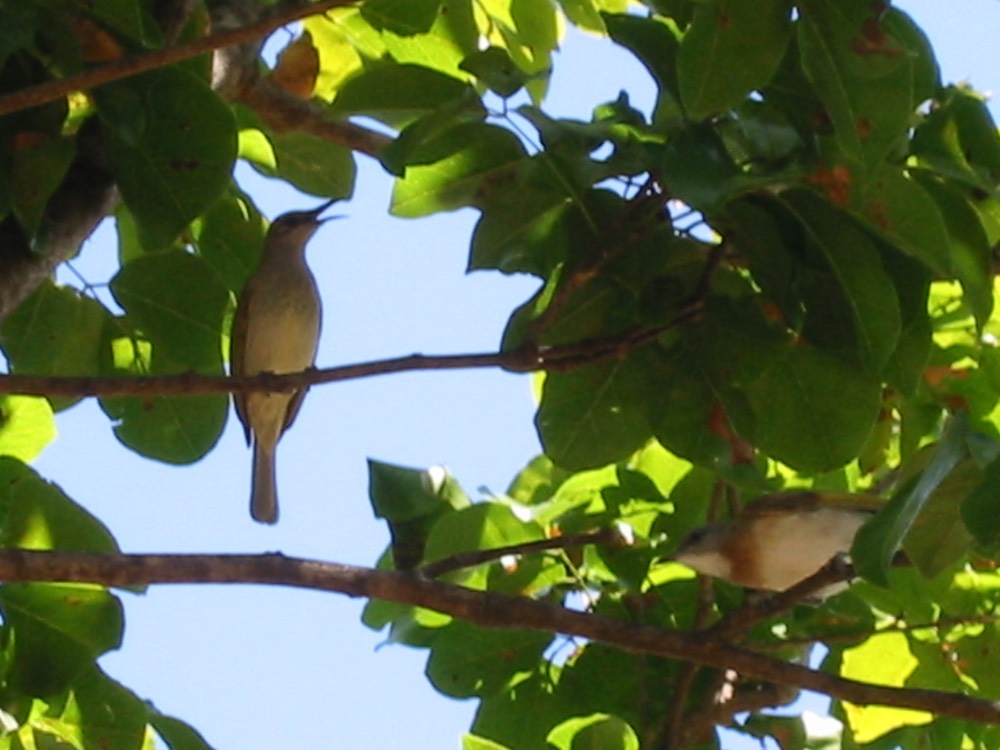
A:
[276, 329]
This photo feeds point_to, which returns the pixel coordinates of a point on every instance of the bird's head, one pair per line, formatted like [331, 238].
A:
[295, 228]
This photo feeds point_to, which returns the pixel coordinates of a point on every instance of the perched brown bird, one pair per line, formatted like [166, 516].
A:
[275, 329]
[778, 539]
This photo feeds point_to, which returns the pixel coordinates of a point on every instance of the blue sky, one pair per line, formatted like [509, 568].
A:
[254, 667]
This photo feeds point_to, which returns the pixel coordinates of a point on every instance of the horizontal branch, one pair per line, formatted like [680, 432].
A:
[553, 358]
[481, 608]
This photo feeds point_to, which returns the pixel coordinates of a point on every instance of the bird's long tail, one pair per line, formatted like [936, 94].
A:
[264, 492]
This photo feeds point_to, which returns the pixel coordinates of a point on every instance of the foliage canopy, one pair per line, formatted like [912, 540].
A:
[782, 276]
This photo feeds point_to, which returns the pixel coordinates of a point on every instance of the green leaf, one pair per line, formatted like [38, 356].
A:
[172, 145]
[938, 538]
[26, 426]
[863, 72]
[980, 509]
[39, 163]
[897, 207]
[524, 230]
[487, 525]
[399, 493]
[397, 94]
[853, 295]
[493, 67]
[730, 49]
[879, 539]
[172, 429]
[812, 411]
[593, 415]
[594, 732]
[177, 734]
[583, 13]
[230, 238]
[128, 18]
[411, 500]
[311, 164]
[403, 17]
[656, 45]
[179, 303]
[97, 713]
[428, 138]
[37, 340]
[472, 742]
[698, 169]
[883, 659]
[35, 514]
[467, 660]
[19, 22]
[969, 247]
[480, 156]
[958, 139]
[58, 632]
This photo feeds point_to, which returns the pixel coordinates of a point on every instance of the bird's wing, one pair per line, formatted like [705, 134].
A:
[237, 349]
[293, 408]
[810, 500]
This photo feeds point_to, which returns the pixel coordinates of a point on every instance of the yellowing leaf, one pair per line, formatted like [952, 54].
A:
[883, 659]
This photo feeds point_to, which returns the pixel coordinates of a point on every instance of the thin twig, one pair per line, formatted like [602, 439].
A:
[462, 560]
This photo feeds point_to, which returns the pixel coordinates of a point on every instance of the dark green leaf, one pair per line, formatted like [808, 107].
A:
[981, 508]
[176, 734]
[730, 49]
[59, 630]
[39, 339]
[481, 159]
[896, 206]
[938, 538]
[969, 247]
[812, 411]
[958, 139]
[231, 237]
[38, 515]
[467, 660]
[403, 17]
[397, 94]
[399, 493]
[879, 539]
[173, 429]
[179, 303]
[411, 500]
[655, 44]
[493, 67]
[593, 415]
[38, 165]
[864, 74]
[851, 305]
[172, 146]
[311, 164]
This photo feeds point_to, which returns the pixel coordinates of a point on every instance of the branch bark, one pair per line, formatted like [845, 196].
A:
[528, 359]
[481, 608]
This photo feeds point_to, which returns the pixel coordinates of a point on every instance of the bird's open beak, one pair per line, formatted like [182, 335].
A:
[320, 209]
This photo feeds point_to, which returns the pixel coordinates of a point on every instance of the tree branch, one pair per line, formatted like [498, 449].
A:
[554, 358]
[481, 608]
[135, 64]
